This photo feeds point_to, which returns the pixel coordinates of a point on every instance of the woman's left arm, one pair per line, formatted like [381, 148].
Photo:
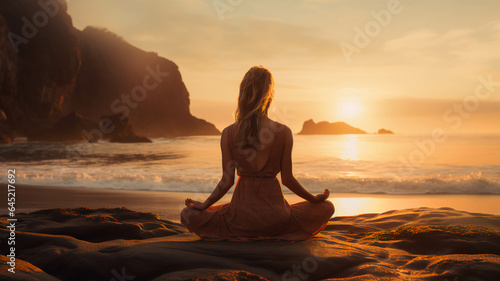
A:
[227, 180]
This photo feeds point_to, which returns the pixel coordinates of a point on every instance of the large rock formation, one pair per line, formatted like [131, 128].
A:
[117, 77]
[8, 82]
[42, 58]
[49, 69]
[327, 128]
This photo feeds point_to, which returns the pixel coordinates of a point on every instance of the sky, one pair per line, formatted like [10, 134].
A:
[408, 66]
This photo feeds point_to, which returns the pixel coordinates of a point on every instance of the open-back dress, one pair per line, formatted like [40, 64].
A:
[258, 209]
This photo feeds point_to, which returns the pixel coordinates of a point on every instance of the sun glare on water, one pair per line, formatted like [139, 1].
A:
[350, 148]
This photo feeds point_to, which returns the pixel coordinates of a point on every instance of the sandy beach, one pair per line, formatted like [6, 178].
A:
[62, 241]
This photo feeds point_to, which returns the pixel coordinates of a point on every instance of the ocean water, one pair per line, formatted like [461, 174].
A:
[367, 164]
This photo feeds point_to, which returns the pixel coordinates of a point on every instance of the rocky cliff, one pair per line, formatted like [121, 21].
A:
[49, 69]
[116, 77]
[40, 61]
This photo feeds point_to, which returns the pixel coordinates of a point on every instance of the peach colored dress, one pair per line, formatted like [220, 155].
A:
[258, 209]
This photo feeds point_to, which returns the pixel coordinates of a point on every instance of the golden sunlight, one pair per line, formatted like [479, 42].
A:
[349, 108]
[350, 149]
[349, 206]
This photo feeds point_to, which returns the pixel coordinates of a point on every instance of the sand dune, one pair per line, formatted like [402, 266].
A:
[120, 244]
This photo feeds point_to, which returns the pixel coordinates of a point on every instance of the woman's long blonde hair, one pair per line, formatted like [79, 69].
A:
[256, 95]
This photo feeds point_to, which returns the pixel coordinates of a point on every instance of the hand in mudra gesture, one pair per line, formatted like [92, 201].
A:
[322, 196]
[195, 204]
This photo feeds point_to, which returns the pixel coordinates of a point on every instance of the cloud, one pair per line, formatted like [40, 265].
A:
[462, 46]
[193, 31]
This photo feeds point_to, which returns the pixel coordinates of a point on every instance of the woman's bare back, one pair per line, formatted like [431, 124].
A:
[258, 155]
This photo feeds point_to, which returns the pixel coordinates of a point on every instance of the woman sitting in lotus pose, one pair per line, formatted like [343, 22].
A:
[258, 148]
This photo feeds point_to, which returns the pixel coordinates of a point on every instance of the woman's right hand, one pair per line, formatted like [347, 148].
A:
[195, 204]
[322, 196]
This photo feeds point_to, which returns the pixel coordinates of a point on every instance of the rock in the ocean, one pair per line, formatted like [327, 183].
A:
[327, 128]
[117, 128]
[386, 132]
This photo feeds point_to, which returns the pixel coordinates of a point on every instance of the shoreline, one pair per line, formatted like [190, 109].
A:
[168, 204]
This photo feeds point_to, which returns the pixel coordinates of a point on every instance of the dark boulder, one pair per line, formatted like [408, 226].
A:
[117, 128]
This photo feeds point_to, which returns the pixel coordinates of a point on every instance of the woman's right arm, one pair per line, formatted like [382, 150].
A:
[227, 180]
[287, 177]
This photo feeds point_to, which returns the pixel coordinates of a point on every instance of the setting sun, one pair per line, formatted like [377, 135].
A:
[349, 109]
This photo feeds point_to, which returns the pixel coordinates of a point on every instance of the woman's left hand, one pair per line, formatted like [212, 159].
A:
[195, 204]
[322, 196]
